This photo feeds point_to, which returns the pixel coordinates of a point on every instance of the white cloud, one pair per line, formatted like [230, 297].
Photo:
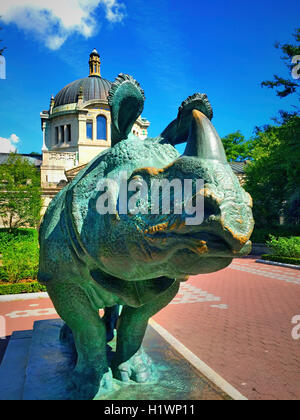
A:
[55, 20]
[8, 145]
[115, 11]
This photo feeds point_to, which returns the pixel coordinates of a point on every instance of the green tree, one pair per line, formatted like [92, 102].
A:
[33, 154]
[274, 175]
[20, 193]
[292, 208]
[237, 148]
[286, 86]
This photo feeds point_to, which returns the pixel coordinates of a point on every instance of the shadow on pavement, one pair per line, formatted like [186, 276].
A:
[3, 345]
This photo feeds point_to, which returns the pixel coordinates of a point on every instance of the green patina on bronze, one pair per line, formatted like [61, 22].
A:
[90, 261]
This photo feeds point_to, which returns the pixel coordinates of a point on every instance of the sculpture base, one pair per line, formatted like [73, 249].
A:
[36, 367]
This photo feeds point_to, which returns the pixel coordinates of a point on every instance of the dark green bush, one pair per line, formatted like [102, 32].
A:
[286, 260]
[285, 247]
[11, 289]
[261, 235]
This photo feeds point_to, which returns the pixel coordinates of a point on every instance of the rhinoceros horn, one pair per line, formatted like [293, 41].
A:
[203, 141]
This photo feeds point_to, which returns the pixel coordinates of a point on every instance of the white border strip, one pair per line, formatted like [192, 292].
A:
[269, 262]
[198, 364]
[23, 296]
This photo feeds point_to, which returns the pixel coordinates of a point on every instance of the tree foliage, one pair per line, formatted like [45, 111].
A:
[33, 154]
[237, 148]
[273, 178]
[20, 193]
[274, 175]
[284, 86]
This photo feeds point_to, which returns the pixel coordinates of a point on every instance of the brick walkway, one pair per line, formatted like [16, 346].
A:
[238, 321]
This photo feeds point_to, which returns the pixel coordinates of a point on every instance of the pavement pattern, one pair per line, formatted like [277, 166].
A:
[239, 321]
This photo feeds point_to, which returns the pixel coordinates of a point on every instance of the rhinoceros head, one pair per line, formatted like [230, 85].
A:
[155, 232]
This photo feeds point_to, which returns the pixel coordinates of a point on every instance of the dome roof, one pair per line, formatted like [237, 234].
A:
[92, 87]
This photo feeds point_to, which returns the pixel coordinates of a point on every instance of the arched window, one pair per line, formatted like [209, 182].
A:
[101, 128]
[89, 130]
[69, 138]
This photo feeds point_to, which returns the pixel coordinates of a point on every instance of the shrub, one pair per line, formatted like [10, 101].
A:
[17, 235]
[20, 255]
[285, 247]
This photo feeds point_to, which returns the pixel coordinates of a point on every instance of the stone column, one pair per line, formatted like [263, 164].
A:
[65, 133]
[81, 127]
[44, 127]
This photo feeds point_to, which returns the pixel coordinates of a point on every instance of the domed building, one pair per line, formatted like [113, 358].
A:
[76, 128]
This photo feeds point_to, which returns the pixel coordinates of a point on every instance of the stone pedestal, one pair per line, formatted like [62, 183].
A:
[36, 367]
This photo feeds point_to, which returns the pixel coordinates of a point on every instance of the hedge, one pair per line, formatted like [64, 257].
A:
[16, 288]
[286, 260]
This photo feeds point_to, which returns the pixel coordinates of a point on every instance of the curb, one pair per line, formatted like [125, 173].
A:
[202, 367]
[268, 262]
[23, 296]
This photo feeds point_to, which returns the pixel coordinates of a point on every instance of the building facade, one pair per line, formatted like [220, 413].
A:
[76, 128]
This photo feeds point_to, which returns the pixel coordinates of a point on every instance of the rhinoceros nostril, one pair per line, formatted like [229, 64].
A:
[236, 238]
[212, 203]
[207, 193]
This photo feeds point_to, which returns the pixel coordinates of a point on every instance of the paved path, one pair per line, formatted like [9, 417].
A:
[238, 321]
[240, 325]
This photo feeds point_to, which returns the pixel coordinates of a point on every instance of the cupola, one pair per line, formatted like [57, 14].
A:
[94, 63]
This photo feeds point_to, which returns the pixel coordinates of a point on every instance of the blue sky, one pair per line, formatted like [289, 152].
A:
[174, 48]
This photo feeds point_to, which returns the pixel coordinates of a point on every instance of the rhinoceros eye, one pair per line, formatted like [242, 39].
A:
[136, 182]
[136, 178]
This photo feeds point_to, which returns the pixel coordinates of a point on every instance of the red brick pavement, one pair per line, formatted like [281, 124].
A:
[250, 343]
[236, 321]
[26, 314]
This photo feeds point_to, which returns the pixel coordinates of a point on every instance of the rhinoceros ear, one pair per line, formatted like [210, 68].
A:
[178, 130]
[126, 100]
